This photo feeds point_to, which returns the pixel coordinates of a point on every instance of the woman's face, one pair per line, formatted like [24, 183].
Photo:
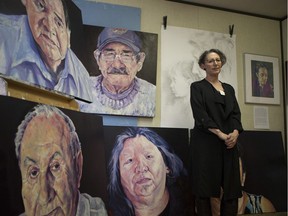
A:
[212, 64]
[142, 169]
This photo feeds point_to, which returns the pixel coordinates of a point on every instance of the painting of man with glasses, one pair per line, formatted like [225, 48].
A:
[118, 90]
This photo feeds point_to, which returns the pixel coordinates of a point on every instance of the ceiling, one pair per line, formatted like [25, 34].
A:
[273, 9]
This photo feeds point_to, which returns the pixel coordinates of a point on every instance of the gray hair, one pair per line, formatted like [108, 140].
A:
[48, 111]
[118, 200]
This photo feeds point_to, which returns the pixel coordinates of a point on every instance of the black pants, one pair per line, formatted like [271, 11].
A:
[227, 208]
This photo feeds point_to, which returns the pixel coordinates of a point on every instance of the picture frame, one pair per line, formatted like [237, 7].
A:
[262, 84]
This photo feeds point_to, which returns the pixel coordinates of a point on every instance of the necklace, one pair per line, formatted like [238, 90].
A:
[222, 92]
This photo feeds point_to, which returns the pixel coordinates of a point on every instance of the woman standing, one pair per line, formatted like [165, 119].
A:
[214, 154]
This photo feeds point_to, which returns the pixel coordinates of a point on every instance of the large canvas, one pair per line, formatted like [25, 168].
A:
[102, 14]
[41, 50]
[180, 50]
[37, 179]
[122, 85]
[265, 171]
[144, 165]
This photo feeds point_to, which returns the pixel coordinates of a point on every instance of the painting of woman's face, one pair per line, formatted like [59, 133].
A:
[142, 169]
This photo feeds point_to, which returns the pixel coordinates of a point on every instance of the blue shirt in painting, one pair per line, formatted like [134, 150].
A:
[20, 59]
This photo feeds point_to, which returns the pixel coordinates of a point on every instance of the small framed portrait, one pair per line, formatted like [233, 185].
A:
[261, 79]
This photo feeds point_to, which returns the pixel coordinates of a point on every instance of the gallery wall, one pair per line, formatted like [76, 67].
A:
[254, 35]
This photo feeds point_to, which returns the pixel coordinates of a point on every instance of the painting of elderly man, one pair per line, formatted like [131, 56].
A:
[51, 158]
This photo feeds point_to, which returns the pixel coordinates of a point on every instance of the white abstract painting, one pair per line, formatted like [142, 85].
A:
[180, 50]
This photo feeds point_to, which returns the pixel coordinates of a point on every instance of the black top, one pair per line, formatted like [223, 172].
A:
[213, 110]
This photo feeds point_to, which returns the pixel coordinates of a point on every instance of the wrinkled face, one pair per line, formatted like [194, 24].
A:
[120, 71]
[262, 76]
[49, 179]
[212, 64]
[48, 26]
[142, 169]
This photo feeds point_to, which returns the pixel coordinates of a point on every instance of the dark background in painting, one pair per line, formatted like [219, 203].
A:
[15, 7]
[149, 46]
[266, 167]
[90, 131]
[175, 137]
[269, 66]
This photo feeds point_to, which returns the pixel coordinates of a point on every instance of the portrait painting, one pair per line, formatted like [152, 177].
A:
[263, 174]
[146, 166]
[40, 43]
[264, 170]
[52, 158]
[122, 65]
[261, 79]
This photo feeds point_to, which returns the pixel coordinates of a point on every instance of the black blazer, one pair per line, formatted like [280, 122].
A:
[212, 110]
